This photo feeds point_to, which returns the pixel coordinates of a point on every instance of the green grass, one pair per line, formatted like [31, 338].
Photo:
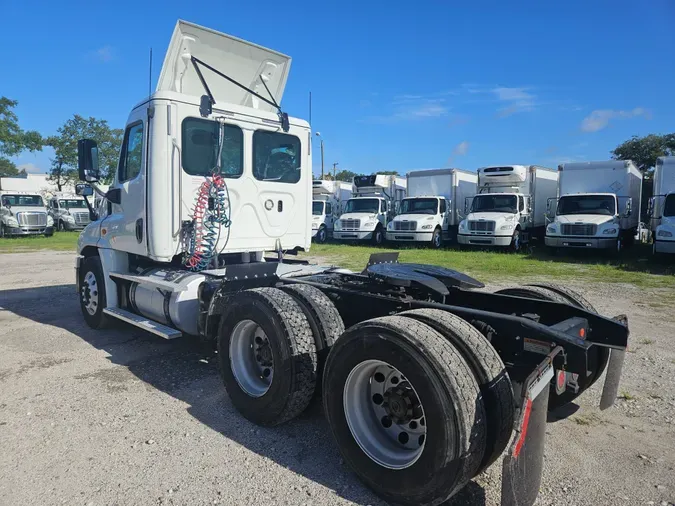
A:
[627, 396]
[647, 341]
[633, 267]
[60, 241]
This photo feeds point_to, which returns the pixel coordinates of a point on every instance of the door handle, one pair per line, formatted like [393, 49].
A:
[139, 230]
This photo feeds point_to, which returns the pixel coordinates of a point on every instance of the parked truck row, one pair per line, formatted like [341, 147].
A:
[425, 378]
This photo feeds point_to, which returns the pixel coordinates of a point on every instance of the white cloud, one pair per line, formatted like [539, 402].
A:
[600, 118]
[461, 149]
[104, 54]
[31, 168]
[515, 100]
[412, 109]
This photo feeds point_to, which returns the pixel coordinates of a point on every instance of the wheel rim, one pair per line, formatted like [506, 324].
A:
[618, 245]
[89, 293]
[322, 235]
[251, 358]
[516, 241]
[384, 414]
[378, 236]
[437, 239]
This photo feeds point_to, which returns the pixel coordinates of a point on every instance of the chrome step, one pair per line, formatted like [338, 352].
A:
[143, 323]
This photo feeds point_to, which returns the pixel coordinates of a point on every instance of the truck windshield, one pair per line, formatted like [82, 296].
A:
[317, 208]
[419, 206]
[22, 200]
[72, 204]
[669, 205]
[362, 206]
[587, 204]
[494, 203]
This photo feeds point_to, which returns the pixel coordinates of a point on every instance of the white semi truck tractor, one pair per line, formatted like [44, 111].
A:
[434, 206]
[24, 213]
[328, 199]
[598, 206]
[662, 206]
[374, 204]
[212, 176]
[510, 207]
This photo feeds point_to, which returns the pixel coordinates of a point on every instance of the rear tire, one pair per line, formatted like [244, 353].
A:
[430, 371]
[324, 320]
[489, 370]
[267, 356]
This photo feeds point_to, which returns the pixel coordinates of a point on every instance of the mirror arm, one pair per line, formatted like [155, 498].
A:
[93, 215]
[97, 190]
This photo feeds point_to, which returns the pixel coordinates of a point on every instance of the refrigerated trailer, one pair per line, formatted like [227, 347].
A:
[426, 379]
[510, 207]
[662, 206]
[434, 206]
[328, 199]
[598, 205]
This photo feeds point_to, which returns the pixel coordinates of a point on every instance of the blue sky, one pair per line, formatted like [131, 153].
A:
[395, 85]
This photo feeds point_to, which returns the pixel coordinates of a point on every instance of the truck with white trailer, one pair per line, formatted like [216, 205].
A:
[510, 207]
[662, 206]
[598, 205]
[426, 379]
[328, 199]
[434, 206]
[365, 216]
[24, 213]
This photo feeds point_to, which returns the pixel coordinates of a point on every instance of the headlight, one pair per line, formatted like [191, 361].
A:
[12, 222]
[551, 229]
[369, 224]
[338, 225]
[69, 218]
[50, 221]
[508, 226]
[390, 226]
[462, 225]
[610, 231]
[427, 227]
[664, 233]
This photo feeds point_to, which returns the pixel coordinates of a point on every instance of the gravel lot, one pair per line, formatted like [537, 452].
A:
[123, 417]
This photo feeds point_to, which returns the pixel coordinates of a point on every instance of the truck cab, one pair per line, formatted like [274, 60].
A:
[421, 219]
[664, 233]
[326, 207]
[662, 206]
[24, 213]
[366, 215]
[494, 218]
[69, 211]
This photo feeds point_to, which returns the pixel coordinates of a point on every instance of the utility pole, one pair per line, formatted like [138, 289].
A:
[334, 165]
[318, 134]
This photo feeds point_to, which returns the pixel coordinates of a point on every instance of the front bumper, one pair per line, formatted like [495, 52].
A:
[352, 235]
[664, 246]
[24, 231]
[74, 226]
[580, 242]
[485, 240]
[401, 235]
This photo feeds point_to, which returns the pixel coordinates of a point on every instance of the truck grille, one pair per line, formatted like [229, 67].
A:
[81, 218]
[574, 229]
[482, 226]
[405, 225]
[350, 224]
[28, 219]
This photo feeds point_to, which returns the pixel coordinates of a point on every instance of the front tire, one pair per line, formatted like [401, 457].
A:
[61, 226]
[321, 235]
[92, 293]
[378, 236]
[436, 239]
[3, 233]
[405, 410]
[515, 241]
[267, 356]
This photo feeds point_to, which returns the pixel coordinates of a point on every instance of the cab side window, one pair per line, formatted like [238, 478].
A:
[521, 203]
[443, 208]
[329, 208]
[132, 153]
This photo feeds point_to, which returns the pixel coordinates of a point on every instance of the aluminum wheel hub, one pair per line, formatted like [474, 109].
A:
[89, 293]
[384, 414]
[251, 359]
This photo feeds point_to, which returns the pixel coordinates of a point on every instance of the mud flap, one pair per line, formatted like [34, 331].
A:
[611, 387]
[524, 461]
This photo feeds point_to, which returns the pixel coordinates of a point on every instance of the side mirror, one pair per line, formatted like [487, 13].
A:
[87, 160]
[84, 190]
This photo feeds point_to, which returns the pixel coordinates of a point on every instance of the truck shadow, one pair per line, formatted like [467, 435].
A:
[186, 370]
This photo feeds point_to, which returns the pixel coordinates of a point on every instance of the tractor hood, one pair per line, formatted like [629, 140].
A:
[586, 219]
[241, 61]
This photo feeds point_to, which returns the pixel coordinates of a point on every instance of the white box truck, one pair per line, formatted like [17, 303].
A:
[510, 207]
[598, 205]
[434, 206]
[662, 206]
[328, 199]
[366, 215]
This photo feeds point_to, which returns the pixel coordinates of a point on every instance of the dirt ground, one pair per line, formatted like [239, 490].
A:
[123, 417]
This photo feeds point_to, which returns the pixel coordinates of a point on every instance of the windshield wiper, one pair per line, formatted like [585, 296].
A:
[205, 111]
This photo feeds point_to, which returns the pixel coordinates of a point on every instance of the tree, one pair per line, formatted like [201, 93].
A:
[64, 163]
[14, 140]
[388, 172]
[345, 175]
[645, 150]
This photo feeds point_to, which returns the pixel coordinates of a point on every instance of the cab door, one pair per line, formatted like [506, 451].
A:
[330, 218]
[124, 228]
